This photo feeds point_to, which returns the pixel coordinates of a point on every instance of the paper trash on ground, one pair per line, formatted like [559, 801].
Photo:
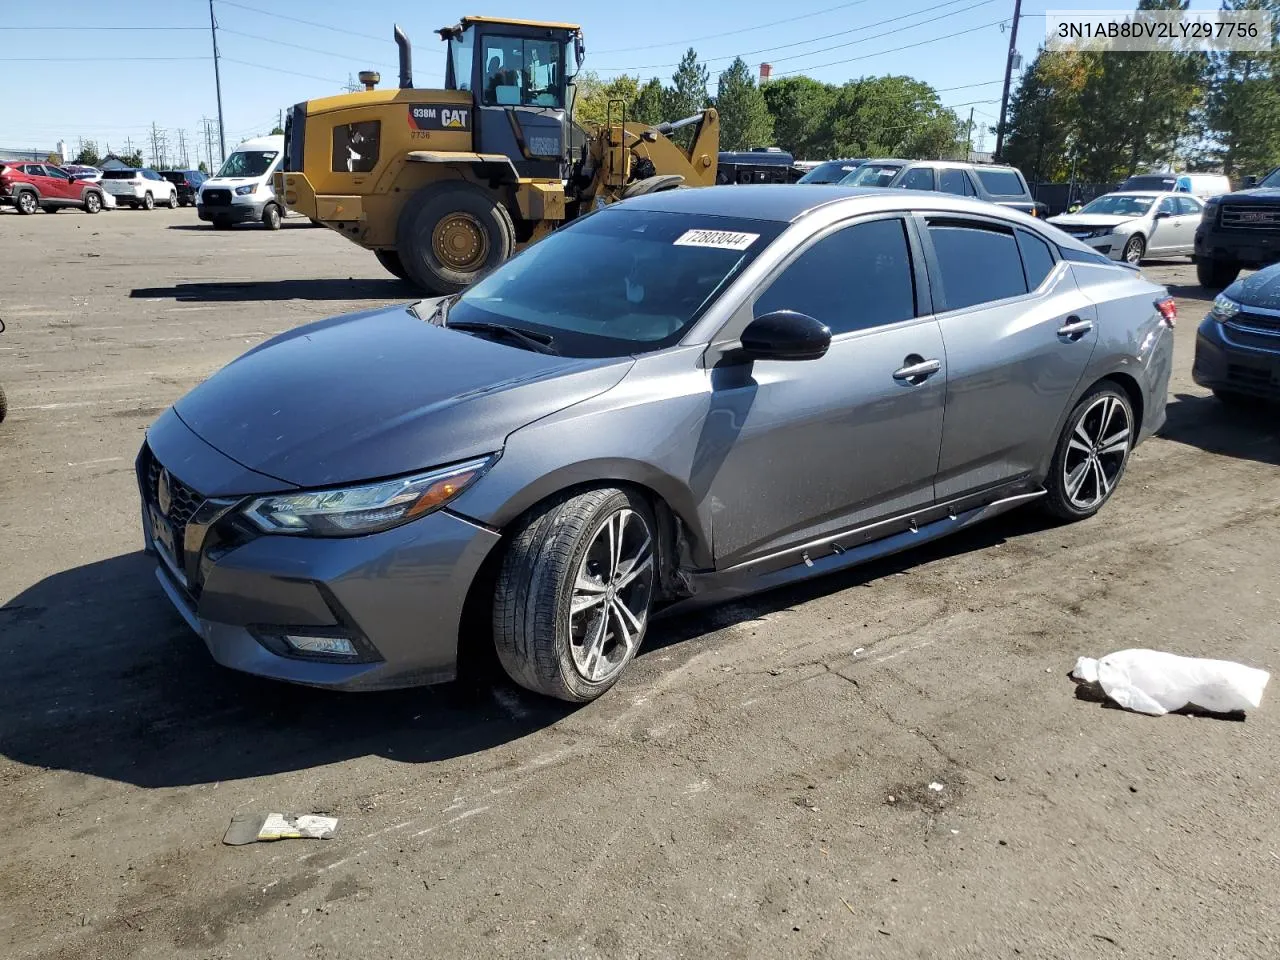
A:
[255, 827]
[1155, 683]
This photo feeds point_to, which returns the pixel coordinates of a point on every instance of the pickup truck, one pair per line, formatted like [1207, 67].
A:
[1239, 230]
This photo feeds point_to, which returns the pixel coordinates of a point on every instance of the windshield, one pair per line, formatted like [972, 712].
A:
[830, 172]
[872, 175]
[248, 163]
[522, 71]
[1149, 183]
[1120, 205]
[120, 174]
[1272, 179]
[617, 282]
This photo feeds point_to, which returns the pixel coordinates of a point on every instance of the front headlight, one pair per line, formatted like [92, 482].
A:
[1224, 308]
[368, 508]
[247, 189]
[1210, 209]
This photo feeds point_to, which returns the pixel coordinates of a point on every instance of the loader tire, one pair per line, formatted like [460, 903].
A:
[391, 260]
[452, 233]
[669, 181]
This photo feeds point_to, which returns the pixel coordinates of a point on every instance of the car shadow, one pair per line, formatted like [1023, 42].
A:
[101, 677]
[301, 223]
[327, 288]
[1243, 432]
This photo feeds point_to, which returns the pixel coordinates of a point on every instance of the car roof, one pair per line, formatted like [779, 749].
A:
[788, 202]
[1149, 193]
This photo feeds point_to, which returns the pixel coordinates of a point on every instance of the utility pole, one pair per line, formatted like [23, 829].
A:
[182, 149]
[968, 138]
[217, 80]
[128, 146]
[280, 121]
[208, 142]
[1008, 75]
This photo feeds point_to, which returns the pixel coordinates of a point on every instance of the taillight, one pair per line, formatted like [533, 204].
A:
[1168, 308]
[135, 183]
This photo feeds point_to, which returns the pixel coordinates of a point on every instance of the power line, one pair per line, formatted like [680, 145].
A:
[96, 29]
[345, 31]
[731, 33]
[95, 59]
[881, 53]
[297, 46]
[828, 36]
[292, 73]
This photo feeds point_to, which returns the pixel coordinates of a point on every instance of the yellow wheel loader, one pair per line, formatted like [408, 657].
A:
[443, 185]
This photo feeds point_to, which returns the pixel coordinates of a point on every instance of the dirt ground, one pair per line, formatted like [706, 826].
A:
[756, 786]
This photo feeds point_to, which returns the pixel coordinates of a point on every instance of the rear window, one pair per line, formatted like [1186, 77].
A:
[1149, 183]
[872, 175]
[119, 174]
[1002, 183]
[174, 176]
[831, 172]
[618, 281]
[978, 264]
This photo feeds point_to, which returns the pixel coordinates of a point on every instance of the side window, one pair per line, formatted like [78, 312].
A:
[1168, 205]
[1037, 261]
[977, 263]
[1190, 207]
[854, 279]
[35, 170]
[953, 180]
[355, 146]
[917, 178]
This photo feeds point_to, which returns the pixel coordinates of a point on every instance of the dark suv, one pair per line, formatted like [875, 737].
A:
[995, 183]
[188, 184]
[1238, 230]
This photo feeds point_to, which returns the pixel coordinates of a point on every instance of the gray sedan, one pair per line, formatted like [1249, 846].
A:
[681, 398]
[1135, 226]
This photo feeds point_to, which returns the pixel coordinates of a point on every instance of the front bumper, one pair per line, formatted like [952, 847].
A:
[1252, 248]
[1239, 360]
[238, 211]
[398, 596]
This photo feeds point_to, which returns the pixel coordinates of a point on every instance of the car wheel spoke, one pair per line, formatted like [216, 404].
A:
[1117, 443]
[1075, 479]
[1082, 432]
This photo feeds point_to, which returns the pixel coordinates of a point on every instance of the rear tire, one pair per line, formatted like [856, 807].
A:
[391, 260]
[1216, 274]
[27, 203]
[572, 601]
[148, 201]
[4, 405]
[271, 217]
[1092, 453]
[450, 234]
[92, 202]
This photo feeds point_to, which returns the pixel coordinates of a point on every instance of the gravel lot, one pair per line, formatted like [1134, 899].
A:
[756, 786]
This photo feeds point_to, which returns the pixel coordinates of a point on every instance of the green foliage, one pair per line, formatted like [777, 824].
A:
[88, 154]
[686, 96]
[649, 102]
[890, 117]
[277, 132]
[799, 107]
[1242, 109]
[203, 167]
[133, 159]
[745, 120]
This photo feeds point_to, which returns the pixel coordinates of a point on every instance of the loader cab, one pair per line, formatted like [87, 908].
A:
[520, 76]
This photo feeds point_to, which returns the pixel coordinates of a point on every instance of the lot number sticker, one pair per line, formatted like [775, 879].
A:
[719, 239]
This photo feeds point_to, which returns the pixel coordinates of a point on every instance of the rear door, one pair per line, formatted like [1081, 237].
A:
[1018, 335]
[43, 183]
[955, 180]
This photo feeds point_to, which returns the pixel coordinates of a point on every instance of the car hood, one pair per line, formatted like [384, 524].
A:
[1261, 289]
[1256, 195]
[230, 182]
[1090, 220]
[380, 393]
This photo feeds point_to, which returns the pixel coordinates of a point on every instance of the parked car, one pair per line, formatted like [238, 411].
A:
[831, 171]
[1202, 185]
[241, 191]
[1133, 226]
[139, 187]
[994, 183]
[42, 186]
[1238, 343]
[759, 165]
[188, 183]
[83, 172]
[1239, 230]
[549, 449]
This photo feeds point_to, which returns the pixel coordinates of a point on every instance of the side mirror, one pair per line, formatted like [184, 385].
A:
[785, 335]
[1248, 183]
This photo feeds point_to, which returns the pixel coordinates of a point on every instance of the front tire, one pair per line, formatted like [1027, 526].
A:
[1135, 249]
[148, 201]
[1216, 274]
[391, 260]
[271, 217]
[173, 201]
[450, 234]
[4, 405]
[92, 203]
[1092, 453]
[572, 601]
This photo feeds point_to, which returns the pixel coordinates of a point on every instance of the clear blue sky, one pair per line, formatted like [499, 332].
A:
[90, 95]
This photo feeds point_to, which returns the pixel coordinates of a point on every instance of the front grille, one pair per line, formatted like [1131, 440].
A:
[1255, 323]
[1250, 216]
[217, 198]
[184, 501]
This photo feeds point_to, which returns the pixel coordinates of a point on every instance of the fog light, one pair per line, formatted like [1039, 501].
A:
[329, 646]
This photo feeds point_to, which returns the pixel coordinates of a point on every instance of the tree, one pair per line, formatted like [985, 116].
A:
[799, 106]
[1043, 128]
[594, 97]
[745, 121]
[889, 117]
[133, 159]
[687, 95]
[277, 132]
[649, 102]
[1242, 111]
[203, 167]
[88, 155]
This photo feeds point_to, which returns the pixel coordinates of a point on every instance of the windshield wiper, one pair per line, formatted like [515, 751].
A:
[539, 343]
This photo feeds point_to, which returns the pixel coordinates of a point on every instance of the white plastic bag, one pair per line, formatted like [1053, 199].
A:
[1149, 681]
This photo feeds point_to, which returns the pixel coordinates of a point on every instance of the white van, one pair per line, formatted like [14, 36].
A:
[241, 190]
[1203, 185]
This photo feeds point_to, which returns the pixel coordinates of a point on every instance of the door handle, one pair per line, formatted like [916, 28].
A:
[1075, 329]
[917, 369]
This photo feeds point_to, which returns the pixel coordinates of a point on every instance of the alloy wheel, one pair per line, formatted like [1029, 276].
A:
[1096, 452]
[27, 202]
[610, 602]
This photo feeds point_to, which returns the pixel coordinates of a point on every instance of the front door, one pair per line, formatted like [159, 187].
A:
[520, 99]
[814, 447]
[1018, 336]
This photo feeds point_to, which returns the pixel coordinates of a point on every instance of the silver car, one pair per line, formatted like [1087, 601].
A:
[1133, 226]
[685, 397]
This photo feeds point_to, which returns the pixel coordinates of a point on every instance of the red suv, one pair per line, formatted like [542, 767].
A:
[36, 186]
